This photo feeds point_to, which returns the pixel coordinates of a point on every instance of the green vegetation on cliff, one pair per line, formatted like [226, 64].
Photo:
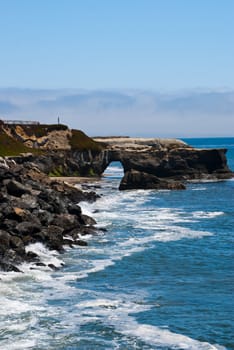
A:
[12, 147]
[80, 141]
[13, 139]
[40, 130]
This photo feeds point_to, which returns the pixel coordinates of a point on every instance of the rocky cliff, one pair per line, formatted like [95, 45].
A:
[147, 162]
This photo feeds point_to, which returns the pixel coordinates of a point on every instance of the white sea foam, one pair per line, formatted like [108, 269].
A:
[116, 312]
[46, 256]
[98, 265]
[18, 345]
[146, 224]
[199, 188]
[25, 296]
[206, 215]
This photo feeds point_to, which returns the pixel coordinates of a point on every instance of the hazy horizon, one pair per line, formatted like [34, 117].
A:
[141, 68]
[195, 113]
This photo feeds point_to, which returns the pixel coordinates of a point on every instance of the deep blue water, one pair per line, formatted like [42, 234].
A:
[161, 277]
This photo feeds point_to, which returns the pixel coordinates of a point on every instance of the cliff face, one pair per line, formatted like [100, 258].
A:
[167, 165]
[147, 163]
[39, 138]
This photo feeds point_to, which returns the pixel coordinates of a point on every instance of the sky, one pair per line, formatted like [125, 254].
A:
[130, 67]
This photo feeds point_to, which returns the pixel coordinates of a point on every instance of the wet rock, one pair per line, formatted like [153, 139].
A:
[134, 179]
[32, 211]
[80, 242]
[53, 237]
[53, 267]
[17, 244]
[74, 209]
[88, 230]
[87, 220]
[4, 240]
[33, 257]
[8, 267]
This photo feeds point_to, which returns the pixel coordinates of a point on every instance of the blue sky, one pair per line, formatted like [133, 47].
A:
[125, 56]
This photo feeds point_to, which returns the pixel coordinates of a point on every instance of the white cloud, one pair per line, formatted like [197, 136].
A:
[128, 112]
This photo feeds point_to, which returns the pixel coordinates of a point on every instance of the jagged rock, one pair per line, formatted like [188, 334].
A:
[17, 244]
[139, 180]
[52, 201]
[74, 209]
[44, 216]
[87, 220]
[29, 201]
[88, 230]
[27, 228]
[32, 211]
[5, 238]
[80, 242]
[4, 266]
[15, 188]
[67, 222]
[53, 237]
[8, 225]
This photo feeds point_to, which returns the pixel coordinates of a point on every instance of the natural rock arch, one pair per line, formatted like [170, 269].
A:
[159, 163]
[147, 163]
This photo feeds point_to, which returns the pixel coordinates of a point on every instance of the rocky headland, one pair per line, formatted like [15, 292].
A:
[34, 207]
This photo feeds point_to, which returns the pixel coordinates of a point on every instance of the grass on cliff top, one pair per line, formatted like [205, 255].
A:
[80, 141]
[40, 130]
[11, 147]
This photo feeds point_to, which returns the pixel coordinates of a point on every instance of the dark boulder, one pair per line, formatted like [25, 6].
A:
[17, 244]
[67, 222]
[87, 220]
[4, 240]
[53, 237]
[74, 209]
[44, 216]
[16, 189]
[80, 242]
[8, 225]
[28, 228]
[7, 267]
[29, 202]
[53, 201]
[134, 179]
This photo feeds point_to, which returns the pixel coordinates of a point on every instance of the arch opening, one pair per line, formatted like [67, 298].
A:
[114, 172]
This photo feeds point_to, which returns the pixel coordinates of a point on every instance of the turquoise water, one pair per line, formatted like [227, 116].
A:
[160, 277]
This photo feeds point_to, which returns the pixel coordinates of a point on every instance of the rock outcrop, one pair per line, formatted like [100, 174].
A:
[167, 160]
[35, 209]
[64, 152]
[134, 179]
[164, 163]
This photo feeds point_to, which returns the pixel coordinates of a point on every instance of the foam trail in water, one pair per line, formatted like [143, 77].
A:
[116, 313]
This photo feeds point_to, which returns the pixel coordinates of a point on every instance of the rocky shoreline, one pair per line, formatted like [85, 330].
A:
[35, 208]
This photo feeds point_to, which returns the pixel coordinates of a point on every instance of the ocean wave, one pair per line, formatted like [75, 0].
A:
[116, 312]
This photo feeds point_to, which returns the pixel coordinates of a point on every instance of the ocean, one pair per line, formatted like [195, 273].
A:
[160, 276]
